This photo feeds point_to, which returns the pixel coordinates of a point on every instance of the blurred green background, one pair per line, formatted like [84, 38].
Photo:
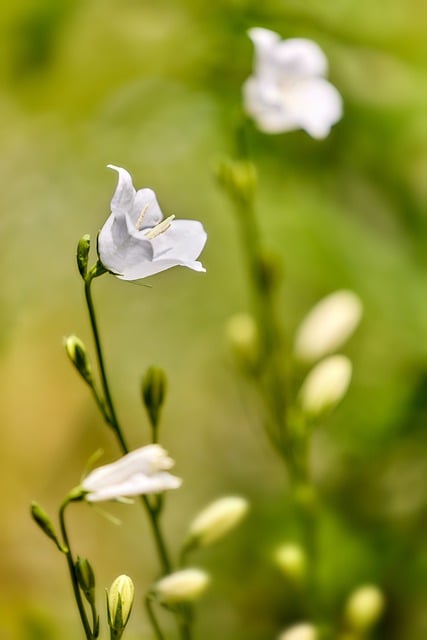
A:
[155, 87]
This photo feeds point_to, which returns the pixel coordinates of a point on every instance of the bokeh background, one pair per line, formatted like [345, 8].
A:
[155, 87]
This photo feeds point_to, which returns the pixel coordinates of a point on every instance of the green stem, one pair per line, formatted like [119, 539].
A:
[72, 570]
[154, 519]
[156, 627]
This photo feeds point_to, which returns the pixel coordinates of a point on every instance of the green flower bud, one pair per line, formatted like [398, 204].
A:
[153, 389]
[364, 607]
[182, 586]
[120, 599]
[83, 248]
[40, 516]
[86, 578]
[238, 178]
[292, 561]
[243, 337]
[76, 351]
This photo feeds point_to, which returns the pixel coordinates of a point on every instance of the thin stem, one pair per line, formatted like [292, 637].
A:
[72, 570]
[156, 627]
[154, 518]
[111, 417]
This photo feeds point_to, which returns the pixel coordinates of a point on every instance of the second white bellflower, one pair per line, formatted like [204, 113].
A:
[288, 89]
[135, 242]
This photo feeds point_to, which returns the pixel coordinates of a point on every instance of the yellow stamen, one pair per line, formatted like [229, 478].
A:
[159, 228]
[141, 216]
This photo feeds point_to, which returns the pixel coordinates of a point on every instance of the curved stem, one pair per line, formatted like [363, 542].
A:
[153, 516]
[156, 627]
[72, 570]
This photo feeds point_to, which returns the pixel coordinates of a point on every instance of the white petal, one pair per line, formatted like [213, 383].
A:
[119, 251]
[299, 58]
[264, 104]
[137, 486]
[123, 197]
[183, 241]
[316, 104]
[145, 210]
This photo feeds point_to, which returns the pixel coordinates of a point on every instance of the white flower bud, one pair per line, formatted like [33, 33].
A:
[325, 385]
[292, 561]
[301, 631]
[217, 520]
[328, 325]
[182, 586]
[364, 607]
[242, 334]
[119, 604]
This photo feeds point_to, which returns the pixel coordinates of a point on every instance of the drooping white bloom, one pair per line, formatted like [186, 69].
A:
[301, 631]
[135, 242]
[325, 385]
[328, 325]
[288, 89]
[140, 472]
[217, 519]
[185, 585]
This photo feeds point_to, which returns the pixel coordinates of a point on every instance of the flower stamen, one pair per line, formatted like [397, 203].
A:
[160, 228]
[138, 224]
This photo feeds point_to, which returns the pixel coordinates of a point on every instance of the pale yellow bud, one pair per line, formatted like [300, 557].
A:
[217, 520]
[328, 325]
[325, 385]
[186, 585]
[301, 631]
[364, 607]
[119, 604]
[292, 561]
[242, 334]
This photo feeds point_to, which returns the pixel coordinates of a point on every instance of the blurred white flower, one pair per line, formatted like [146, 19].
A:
[301, 631]
[288, 89]
[325, 385]
[140, 472]
[364, 607]
[217, 519]
[135, 242]
[328, 325]
[185, 585]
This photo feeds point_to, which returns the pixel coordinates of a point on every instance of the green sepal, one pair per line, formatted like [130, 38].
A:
[76, 351]
[86, 578]
[41, 518]
[83, 248]
[153, 391]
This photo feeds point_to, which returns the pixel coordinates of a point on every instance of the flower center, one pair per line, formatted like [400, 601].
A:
[159, 228]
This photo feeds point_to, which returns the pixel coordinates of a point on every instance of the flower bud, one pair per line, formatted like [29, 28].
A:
[85, 578]
[328, 325]
[242, 334]
[216, 520]
[364, 607]
[238, 178]
[41, 518]
[325, 385]
[186, 585]
[83, 248]
[119, 604]
[301, 631]
[76, 351]
[153, 389]
[292, 561]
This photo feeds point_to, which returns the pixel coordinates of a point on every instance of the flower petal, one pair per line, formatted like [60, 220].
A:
[264, 104]
[139, 485]
[145, 210]
[300, 58]
[183, 241]
[123, 197]
[119, 251]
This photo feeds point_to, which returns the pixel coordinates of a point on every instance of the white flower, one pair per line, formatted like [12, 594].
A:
[301, 631]
[288, 89]
[140, 472]
[364, 607]
[328, 325]
[135, 242]
[217, 519]
[325, 385]
[185, 585]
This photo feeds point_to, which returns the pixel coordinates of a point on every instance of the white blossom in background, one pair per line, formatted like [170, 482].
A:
[217, 519]
[140, 472]
[288, 89]
[135, 242]
[325, 385]
[301, 631]
[185, 585]
[291, 560]
[328, 325]
[364, 607]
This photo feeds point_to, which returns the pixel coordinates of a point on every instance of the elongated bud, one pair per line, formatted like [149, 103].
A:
[301, 631]
[86, 578]
[242, 334]
[153, 388]
[76, 351]
[364, 607]
[83, 248]
[120, 599]
[328, 325]
[292, 561]
[214, 522]
[238, 178]
[186, 585]
[40, 516]
[325, 385]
